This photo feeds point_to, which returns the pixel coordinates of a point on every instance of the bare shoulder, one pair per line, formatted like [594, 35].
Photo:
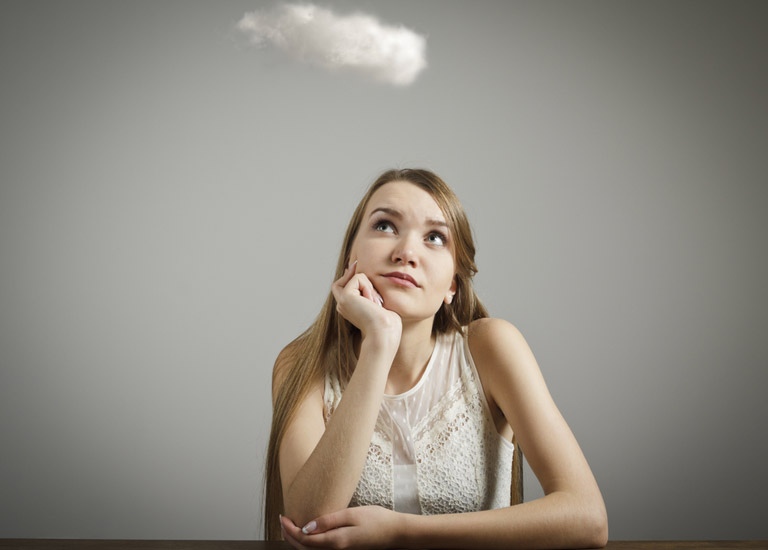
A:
[500, 353]
[491, 339]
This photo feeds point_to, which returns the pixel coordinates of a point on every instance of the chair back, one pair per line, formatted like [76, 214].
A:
[516, 490]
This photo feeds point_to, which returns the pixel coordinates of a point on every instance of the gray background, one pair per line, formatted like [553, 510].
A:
[172, 202]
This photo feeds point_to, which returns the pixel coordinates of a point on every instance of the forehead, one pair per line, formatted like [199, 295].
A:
[408, 198]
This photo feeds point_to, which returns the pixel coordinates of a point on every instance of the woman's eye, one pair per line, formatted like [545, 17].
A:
[384, 226]
[436, 238]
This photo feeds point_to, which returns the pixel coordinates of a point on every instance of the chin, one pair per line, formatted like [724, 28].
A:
[393, 304]
[406, 313]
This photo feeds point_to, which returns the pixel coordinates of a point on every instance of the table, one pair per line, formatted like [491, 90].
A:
[93, 544]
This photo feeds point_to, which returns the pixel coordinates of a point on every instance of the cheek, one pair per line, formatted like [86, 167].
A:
[364, 255]
[444, 275]
[370, 249]
[356, 250]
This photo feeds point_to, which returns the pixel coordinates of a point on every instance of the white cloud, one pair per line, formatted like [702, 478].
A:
[358, 42]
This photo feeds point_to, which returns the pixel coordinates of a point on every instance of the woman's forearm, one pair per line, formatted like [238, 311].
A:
[328, 478]
[558, 520]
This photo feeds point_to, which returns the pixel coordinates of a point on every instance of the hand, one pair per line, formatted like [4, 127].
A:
[361, 304]
[360, 528]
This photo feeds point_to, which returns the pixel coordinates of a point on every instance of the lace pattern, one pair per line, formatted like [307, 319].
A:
[462, 463]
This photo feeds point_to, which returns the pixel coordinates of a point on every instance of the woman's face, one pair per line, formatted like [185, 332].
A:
[404, 247]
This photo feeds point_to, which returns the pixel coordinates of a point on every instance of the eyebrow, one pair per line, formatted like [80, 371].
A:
[397, 214]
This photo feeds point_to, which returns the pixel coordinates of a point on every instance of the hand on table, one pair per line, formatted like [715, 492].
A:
[364, 527]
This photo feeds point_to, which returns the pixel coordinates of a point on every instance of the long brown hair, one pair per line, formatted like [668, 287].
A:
[326, 346]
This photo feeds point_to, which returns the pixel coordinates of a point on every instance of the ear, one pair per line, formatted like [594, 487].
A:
[451, 292]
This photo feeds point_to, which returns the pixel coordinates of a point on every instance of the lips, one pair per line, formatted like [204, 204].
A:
[401, 279]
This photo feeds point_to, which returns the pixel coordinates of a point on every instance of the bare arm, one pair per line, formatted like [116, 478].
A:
[320, 465]
[558, 520]
[570, 515]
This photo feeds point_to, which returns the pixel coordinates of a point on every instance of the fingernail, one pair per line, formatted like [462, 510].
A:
[309, 527]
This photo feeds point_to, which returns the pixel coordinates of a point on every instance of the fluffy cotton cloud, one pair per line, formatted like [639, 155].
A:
[358, 42]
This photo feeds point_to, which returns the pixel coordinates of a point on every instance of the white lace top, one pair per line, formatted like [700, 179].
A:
[435, 449]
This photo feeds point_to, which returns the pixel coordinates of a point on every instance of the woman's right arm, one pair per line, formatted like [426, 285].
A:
[320, 464]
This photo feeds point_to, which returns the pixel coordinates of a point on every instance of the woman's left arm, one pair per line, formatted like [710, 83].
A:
[570, 515]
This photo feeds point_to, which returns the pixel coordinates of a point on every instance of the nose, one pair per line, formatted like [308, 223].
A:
[404, 251]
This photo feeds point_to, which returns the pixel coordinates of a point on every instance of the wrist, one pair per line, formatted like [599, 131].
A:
[384, 339]
[406, 534]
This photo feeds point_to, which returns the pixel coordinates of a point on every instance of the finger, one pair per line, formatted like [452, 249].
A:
[358, 284]
[292, 541]
[334, 520]
[349, 272]
[330, 539]
[291, 533]
[298, 539]
[339, 284]
[375, 296]
[366, 288]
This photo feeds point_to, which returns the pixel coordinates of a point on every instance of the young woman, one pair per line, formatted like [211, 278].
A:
[394, 413]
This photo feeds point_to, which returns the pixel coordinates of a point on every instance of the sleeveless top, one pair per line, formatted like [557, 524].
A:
[435, 449]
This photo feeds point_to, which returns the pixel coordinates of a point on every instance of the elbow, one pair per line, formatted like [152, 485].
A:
[299, 518]
[298, 507]
[599, 536]
[295, 515]
[295, 511]
[594, 531]
[301, 513]
[586, 525]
